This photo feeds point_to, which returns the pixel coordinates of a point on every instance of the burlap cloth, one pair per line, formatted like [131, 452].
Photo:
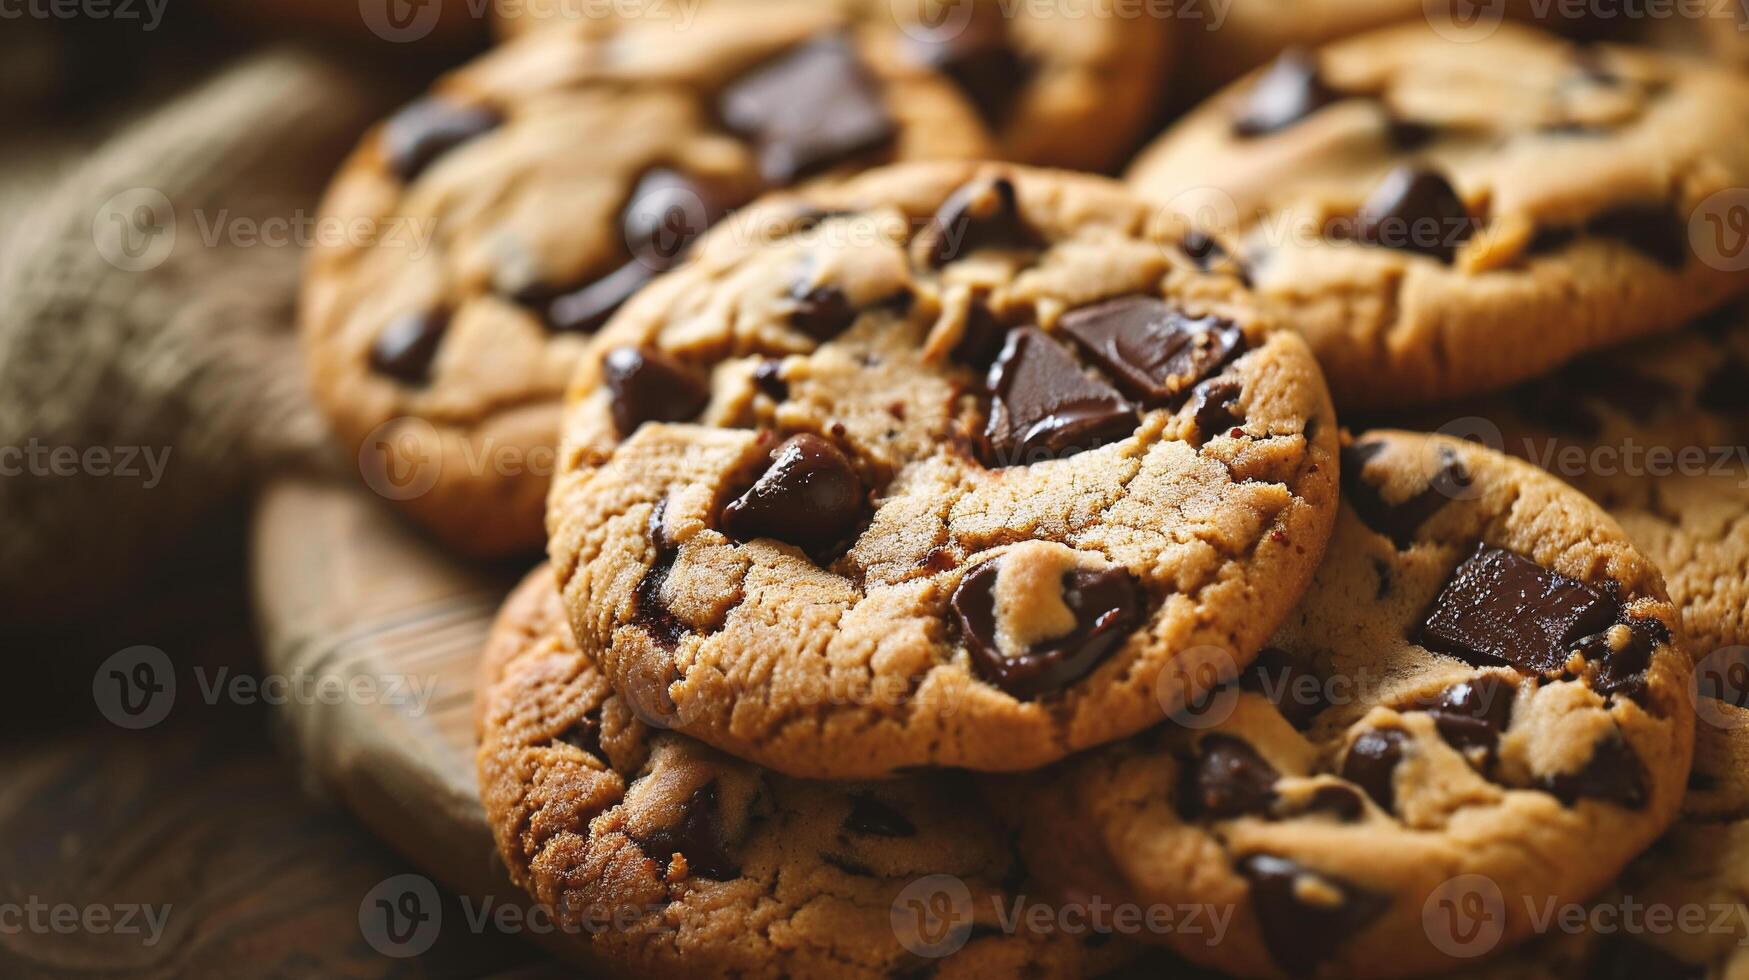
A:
[117, 352]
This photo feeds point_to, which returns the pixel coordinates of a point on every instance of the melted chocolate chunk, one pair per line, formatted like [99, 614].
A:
[982, 214]
[1726, 389]
[698, 837]
[1289, 91]
[1044, 406]
[1415, 210]
[1503, 608]
[407, 346]
[649, 386]
[1295, 689]
[1621, 655]
[1217, 409]
[416, 136]
[1371, 764]
[648, 609]
[1612, 775]
[1400, 521]
[982, 339]
[1473, 714]
[809, 110]
[873, 818]
[587, 308]
[1156, 353]
[1107, 606]
[978, 57]
[810, 497]
[1654, 230]
[1228, 779]
[821, 312]
[1300, 933]
[768, 378]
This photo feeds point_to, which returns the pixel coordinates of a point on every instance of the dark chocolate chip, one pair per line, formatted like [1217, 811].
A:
[1228, 779]
[1655, 230]
[587, 308]
[416, 136]
[810, 497]
[648, 610]
[1217, 409]
[1726, 389]
[809, 110]
[1621, 655]
[982, 214]
[1289, 91]
[1371, 763]
[1502, 608]
[982, 339]
[1202, 249]
[876, 819]
[1155, 352]
[1043, 406]
[1301, 934]
[1107, 606]
[1473, 714]
[1613, 774]
[649, 386]
[1415, 210]
[1400, 521]
[406, 347]
[1339, 802]
[1407, 135]
[821, 312]
[978, 57]
[768, 378]
[698, 837]
[1296, 690]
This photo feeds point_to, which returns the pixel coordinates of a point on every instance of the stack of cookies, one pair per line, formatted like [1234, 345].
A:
[959, 567]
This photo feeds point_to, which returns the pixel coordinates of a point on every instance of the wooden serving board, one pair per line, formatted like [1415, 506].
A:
[392, 627]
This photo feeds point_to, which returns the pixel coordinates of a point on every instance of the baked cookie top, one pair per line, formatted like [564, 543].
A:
[1441, 217]
[1062, 85]
[948, 466]
[1483, 683]
[1657, 431]
[491, 226]
[664, 857]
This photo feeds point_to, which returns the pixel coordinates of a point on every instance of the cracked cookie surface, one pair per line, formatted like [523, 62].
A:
[1067, 86]
[971, 455]
[664, 857]
[1442, 218]
[1483, 680]
[491, 226]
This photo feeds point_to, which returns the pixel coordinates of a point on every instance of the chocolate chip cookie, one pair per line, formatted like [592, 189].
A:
[1064, 85]
[1442, 218]
[480, 235]
[1484, 682]
[947, 466]
[663, 857]
[1658, 432]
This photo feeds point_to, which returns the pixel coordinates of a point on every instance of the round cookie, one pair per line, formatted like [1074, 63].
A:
[1481, 685]
[971, 455]
[666, 858]
[488, 229]
[1656, 431]
[1062, 85]
[1441, 218]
